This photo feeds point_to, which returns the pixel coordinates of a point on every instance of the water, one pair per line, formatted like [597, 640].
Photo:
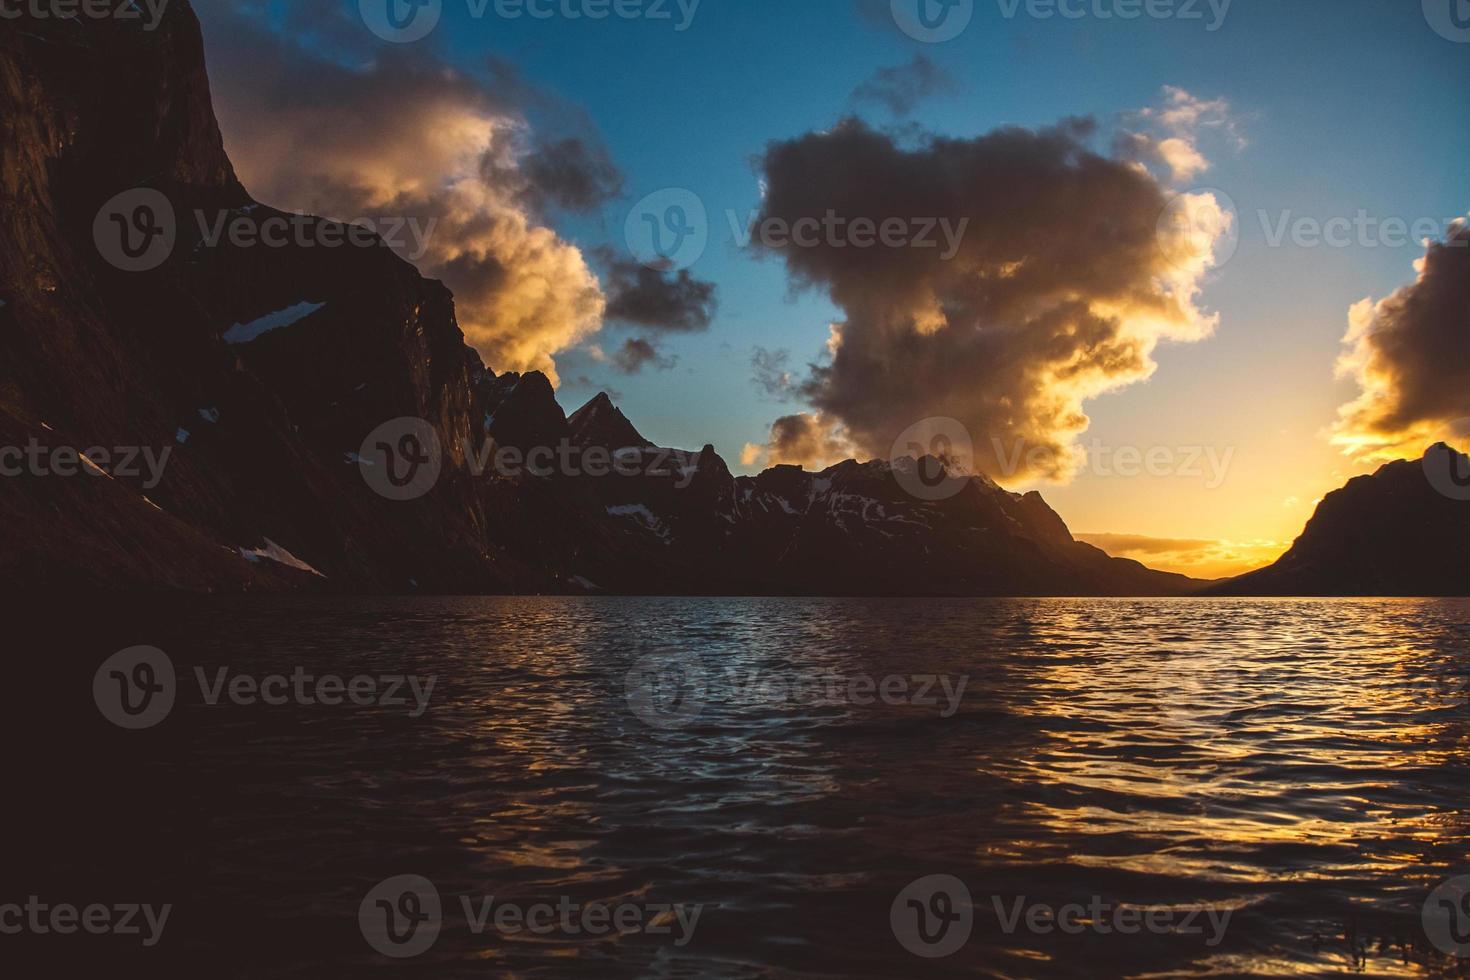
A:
[1301, 765]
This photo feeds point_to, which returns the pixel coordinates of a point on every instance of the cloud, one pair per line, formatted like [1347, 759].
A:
[901, 88]
[638, 353]
[318, 121]
[1059, 289]
[1206, 558]
[1169, 134]
[655, 298]
[1409, 356]
[807, 440]
[771, 374]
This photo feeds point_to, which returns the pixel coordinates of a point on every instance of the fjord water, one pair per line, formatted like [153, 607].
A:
[1301, 764]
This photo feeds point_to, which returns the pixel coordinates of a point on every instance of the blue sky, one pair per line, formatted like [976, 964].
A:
[1342, 106]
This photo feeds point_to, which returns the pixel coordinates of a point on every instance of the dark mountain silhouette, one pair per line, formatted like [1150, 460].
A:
[1403, 531]
[263, 370]
[599, 423]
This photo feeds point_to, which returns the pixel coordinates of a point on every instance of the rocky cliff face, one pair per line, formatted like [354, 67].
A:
[1403, 531]
[293, 394]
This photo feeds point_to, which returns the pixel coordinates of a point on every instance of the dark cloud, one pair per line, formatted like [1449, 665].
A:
[803, 439]
[1052, 284]
[1409, 354]
[655, 298]
[638, 353]
[772, 374]
[902, 88]
[572, 173]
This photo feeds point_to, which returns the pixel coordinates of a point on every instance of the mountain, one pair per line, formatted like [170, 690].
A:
[1403, 531]
[599, 423]
[313, 419]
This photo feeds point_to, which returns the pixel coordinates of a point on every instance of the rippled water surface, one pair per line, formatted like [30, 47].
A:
[1301, 764]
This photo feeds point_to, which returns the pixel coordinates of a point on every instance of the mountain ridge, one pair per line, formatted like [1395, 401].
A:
[1403, 530]
[270, 378]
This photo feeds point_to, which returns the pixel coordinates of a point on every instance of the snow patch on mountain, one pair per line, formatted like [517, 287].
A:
[244, 333]
[274, 552]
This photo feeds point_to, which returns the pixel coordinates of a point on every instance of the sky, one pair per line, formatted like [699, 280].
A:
[1190, 399]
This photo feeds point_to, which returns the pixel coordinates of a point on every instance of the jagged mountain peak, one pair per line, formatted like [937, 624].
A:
[600, 423]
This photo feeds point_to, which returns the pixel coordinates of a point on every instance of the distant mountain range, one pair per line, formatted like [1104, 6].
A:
[312, 419]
